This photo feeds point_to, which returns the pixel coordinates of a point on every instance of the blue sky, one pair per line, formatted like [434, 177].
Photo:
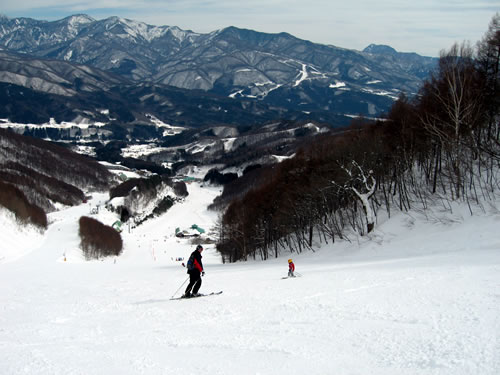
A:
[422, 26]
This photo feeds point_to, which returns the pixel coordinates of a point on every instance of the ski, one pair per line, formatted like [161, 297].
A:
[291, 277]
[198, 296]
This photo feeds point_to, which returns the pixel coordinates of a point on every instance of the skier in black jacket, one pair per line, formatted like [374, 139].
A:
[195, 271]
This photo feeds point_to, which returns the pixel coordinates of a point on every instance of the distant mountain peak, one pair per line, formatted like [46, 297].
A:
[237, 30]
[379, 49]
[79, 18]
[233, 30]
[113, 20]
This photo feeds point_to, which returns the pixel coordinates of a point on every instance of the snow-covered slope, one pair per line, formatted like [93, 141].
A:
[418, 296]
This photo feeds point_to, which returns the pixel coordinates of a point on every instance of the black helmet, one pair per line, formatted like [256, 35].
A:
[199, 247]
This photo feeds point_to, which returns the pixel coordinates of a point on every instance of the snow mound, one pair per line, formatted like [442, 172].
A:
[16, 240]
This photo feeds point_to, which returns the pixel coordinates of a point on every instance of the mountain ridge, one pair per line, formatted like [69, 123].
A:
[231, 62]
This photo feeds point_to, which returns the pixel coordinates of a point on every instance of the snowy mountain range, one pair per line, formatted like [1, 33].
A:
[278, 70]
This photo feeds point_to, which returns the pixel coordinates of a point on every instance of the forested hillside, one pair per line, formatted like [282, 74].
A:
[42, 173]
[442, 145]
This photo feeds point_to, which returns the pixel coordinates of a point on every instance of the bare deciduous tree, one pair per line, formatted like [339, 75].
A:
[363, 184]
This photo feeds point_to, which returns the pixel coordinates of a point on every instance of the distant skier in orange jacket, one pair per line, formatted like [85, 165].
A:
[291, 268]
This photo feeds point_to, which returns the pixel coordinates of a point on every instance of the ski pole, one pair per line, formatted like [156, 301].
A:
[180, 287]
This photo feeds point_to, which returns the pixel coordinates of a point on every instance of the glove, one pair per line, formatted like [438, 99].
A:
[202, 273]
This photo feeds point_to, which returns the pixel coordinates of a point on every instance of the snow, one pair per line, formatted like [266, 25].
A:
[122, 170]
[303, 75]
[182, 35]
[13, 235]
[393, 95]
[337, 85]
[419, 295]
[137, 151]
[257, 84]
[68, 55]
[52, 124]
[195, 148]
[313, 126]
[229, 143]
[233, 95]
[280, 158]
[169, 129]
